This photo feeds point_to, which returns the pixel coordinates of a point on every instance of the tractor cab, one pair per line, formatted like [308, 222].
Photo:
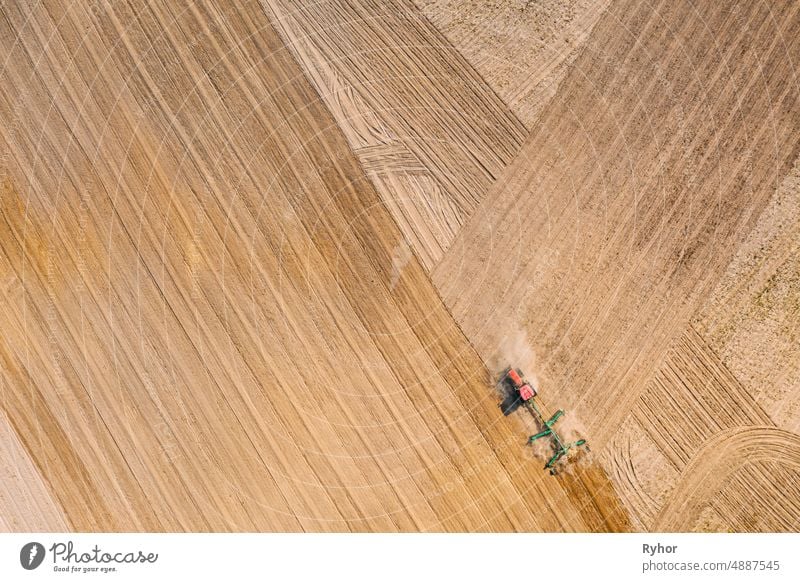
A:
[522, 387]
[526, 392]
[521, 391]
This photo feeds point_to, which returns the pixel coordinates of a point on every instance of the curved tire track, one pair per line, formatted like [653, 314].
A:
[717, 460]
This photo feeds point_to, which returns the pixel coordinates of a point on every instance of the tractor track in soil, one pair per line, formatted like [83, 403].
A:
[718, 459]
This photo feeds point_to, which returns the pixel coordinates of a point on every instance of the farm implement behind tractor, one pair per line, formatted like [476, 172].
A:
[524, 394]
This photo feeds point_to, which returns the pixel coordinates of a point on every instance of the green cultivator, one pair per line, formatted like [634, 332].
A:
[561, 448]
[524, 395]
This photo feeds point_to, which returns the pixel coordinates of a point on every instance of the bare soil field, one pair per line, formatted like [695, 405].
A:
[261, 266]
[429, 132]
[522, 48]
[206, 329]
[750, 501]
[612, 228]
[26, 503]
[752, 319]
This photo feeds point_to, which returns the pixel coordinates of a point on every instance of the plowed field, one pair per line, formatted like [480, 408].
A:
[261, 264]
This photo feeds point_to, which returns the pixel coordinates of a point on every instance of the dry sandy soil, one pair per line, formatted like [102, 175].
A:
[522, 48]
[260, 267]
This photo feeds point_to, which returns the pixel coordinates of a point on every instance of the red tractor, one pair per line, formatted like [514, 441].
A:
[523, 393]
[522, 390]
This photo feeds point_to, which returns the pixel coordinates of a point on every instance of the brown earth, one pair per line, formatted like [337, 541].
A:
[260, 266]
[207, 330]
[429, 132]
[522, 48]
[752, 319]
[610, 230]
[25, 501]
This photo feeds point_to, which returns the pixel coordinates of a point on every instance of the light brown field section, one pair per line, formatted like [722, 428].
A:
[752, 319]
[641, 474]
[207, 328]
[522, 48]
[753, 500]
[691, 398]
[719, 459]
[26, 504]
[667, 138]
[394, 83]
